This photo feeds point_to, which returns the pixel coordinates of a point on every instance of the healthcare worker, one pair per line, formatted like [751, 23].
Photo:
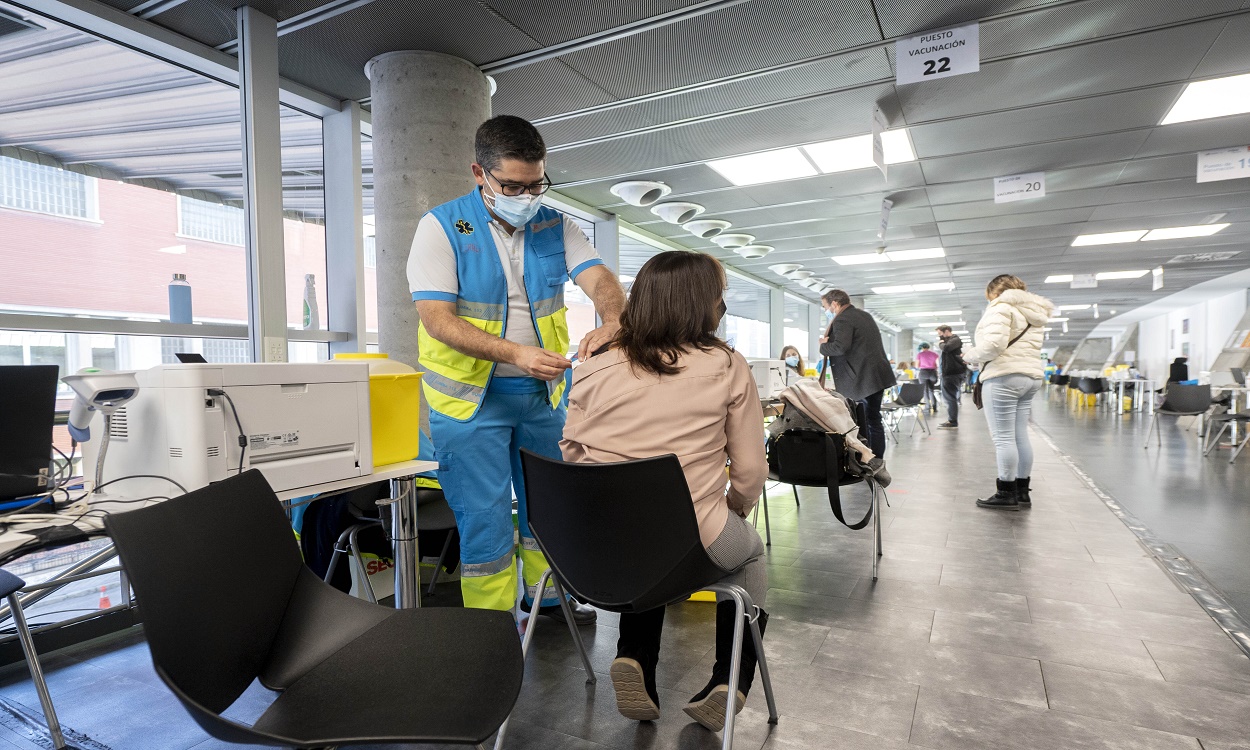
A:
[487, 273]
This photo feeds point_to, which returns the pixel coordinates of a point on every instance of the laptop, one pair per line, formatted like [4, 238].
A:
[27, 411]
[1239, 375]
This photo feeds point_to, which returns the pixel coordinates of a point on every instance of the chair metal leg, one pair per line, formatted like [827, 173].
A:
[1210, 444]
[742, 605]
[1237, 450]
[1154, 425]
[876, 527]
[531, 626]
[795, 487]
[735, 674]
[577, 636]
[36, 671]
[339, 549]
[768, 529]
[442, 558]
[360, 565]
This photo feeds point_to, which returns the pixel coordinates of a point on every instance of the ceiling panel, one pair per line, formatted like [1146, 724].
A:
[543, 89]
[1051, 202]
[734, 40]
[1056, 75]
[555, 22]
[1042, 157]
[1163, 213]
[907, 17]
[1202, 135]
[1228, 55]
[1016, 221]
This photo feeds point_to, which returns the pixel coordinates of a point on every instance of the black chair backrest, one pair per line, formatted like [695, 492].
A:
[1090, 385]
[1187, 399]
[213, 571]
[910, 394]
[622, 536]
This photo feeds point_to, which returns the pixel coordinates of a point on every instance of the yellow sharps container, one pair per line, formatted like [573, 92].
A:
[394, 407]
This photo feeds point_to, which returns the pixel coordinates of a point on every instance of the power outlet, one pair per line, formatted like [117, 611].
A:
[275, 349]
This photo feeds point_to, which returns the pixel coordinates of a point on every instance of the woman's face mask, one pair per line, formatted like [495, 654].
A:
[792, 360]
[721, 309]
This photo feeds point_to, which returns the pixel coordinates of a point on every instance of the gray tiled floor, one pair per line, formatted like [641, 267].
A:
[1043, 629]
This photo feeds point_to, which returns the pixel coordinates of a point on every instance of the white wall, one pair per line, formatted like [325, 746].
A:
[1162, 338]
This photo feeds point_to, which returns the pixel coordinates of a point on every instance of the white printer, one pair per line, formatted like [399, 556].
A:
[303, 424]
[770, 376]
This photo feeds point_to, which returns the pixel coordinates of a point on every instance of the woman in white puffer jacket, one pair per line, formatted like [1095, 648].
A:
[1009, 344]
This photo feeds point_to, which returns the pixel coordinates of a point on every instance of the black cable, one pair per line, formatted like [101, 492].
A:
[237, 423]
[174, 482]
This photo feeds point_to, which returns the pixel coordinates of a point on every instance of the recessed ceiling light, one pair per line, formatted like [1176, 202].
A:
[789, 320]
[800, 275]
[770, 166]
[781, 269]
[1109, 275]
[859, 260]
[1060, 279]
[1074, 307]
[1215, 98]
[1108, 238]
[952, 324]
[730, 241]
[892, 289]
[1176, 233]
[753, 252]
[845, 154]
[944, 286]
[941, 313]
[928, 252]
[1058, 320]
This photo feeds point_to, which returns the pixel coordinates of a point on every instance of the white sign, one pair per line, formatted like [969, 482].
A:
[879, 125]
[1020, 187]
[938, 54]
[1130, 356]
[1085, 281]
[1157, 281]
[886, 205]
[1224, 164]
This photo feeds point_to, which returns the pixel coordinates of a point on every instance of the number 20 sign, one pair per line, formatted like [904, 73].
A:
[938, 54]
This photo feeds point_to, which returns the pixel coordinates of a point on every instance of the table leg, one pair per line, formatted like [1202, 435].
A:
[1234, 427]
[404, 543]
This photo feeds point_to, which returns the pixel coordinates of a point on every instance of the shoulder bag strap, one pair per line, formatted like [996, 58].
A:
[833, 477]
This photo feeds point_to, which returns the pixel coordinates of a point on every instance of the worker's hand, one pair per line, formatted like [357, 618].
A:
[597, 339]
[824, 339]
[540, 363]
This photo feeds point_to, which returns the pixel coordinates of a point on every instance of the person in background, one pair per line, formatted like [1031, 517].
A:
[1178, 371]
[926, 363]
[487, 273]
[669, 385]
[861, 369]
[1050, 370]
[953, 371]
[1009, 344]
[794, 361]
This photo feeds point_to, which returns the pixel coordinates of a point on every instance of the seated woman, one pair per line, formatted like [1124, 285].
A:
[794, 362]
[669, 385]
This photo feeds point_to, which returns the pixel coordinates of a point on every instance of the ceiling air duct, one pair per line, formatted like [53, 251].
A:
[730, 241]
[640, 192]
[677, 213]
[706, 228]
[781, 269]
[753, 251]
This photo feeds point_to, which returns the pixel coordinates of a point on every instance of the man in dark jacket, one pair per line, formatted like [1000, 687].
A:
[952, 370]
[861, 370]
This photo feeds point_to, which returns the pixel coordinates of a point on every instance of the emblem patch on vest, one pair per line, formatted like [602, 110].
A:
[464, 227]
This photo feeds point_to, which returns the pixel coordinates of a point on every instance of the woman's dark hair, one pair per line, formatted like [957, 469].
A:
[673, 306]
[507, 137]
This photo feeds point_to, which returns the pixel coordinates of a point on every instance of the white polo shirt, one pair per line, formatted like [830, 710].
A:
[432, 268]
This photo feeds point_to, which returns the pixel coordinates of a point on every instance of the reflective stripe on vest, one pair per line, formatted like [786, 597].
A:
[455, 383]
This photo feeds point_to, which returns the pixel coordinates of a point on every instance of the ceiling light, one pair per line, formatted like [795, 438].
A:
[928, 252]
[942, 314]
[781, 269]
[640, 192]
[1060, 279]
[1108, 238]
[1214, 98]
[677, 213]
[892, 289]
[952, 324]
[1176, 233]
[1109, 275]
[800, 275]
[730, 241]
[1058, 320]
[706, 228]
[753, 252]
[1073, 307]
[845, 154]
[859, 260]
[944, 286]
[770, 166]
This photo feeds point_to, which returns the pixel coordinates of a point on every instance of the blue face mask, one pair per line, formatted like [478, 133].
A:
[792, 360]
[828, 316]
[517, 210]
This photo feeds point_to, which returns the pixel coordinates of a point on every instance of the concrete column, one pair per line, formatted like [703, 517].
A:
[426, 107]
[906, 346]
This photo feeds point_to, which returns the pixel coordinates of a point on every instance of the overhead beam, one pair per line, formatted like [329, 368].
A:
[119, 27]
[308, 18]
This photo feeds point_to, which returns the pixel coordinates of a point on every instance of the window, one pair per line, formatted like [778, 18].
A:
[746, 320]
[794, 332]
[371, 252]
[581, 310]
[46, 190]
[214, 222]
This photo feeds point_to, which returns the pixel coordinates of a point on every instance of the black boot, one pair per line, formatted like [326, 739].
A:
[633, 670]
[708, 706]
[1022, 492]
[1004, 499]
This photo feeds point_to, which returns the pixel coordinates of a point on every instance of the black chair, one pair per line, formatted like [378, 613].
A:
[1180, 401]
[1226, 420]
[226, 600]
[624, 538]
[1092, 387]
[10, 585]
[910, 400]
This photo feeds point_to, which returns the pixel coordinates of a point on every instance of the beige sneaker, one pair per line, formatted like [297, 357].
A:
[632, 699]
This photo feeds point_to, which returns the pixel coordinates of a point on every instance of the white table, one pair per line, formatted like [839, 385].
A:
[1237, 397]
[1142, 387]
[403, 502]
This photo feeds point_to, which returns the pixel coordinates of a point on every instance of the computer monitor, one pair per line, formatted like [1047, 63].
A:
[27, 411]
[1239, 375]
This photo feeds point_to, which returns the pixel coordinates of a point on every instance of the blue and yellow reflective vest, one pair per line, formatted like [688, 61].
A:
[454, 384]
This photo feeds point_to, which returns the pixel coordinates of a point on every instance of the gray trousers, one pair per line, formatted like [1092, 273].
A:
[740, 550]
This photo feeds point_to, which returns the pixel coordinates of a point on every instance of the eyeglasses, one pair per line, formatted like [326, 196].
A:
[513, 189]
